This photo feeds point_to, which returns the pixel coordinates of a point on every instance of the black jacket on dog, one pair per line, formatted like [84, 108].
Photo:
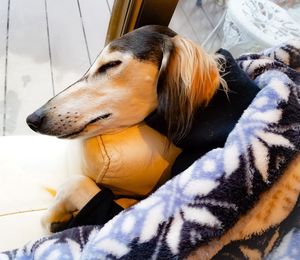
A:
[211, 126]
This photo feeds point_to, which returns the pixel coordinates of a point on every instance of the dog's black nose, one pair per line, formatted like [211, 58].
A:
[35, 120]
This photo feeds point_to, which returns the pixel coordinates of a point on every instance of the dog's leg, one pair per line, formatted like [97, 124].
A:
[71, 197]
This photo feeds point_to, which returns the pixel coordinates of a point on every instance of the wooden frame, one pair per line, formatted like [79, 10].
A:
[131, 14]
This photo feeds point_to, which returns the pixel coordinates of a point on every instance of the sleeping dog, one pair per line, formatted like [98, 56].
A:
[151, 104]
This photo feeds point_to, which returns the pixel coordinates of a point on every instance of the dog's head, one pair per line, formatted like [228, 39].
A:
[150, 68]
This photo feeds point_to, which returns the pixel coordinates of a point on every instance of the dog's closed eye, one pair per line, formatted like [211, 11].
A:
[109, 65]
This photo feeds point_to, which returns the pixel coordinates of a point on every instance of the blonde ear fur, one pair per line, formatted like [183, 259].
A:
[190, 80]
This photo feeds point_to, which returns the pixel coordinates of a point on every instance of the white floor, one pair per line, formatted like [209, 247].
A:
[45, 45]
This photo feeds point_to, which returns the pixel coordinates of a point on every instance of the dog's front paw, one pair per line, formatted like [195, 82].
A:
[56, 220]
[58, 226]
[70, 199]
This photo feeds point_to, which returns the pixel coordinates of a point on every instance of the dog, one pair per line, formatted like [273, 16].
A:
[151, 70]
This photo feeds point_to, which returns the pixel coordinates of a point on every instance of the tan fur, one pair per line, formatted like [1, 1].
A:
[191, 79]
[197, 69]
[271, 243]
[128, 92]
[273, 207]
[250, 253]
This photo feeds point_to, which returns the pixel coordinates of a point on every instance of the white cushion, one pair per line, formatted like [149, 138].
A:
[28, 165]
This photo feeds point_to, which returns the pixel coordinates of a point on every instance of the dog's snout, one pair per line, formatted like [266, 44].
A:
[35, 120]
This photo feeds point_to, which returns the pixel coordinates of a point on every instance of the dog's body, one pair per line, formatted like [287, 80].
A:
[150, 74]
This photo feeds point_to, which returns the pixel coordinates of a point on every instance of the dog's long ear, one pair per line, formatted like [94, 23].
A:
[189, 77]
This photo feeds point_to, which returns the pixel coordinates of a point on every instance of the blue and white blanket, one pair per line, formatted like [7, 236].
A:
[239, 201]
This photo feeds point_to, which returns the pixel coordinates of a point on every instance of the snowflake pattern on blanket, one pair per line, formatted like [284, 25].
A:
[203, 202]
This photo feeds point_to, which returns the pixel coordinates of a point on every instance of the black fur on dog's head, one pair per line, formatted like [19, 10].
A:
[148, 43]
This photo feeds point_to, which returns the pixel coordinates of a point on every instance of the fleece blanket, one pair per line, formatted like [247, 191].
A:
[238, 201]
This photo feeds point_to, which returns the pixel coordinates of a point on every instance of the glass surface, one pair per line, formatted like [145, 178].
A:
[196, 20]
[237, 25]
